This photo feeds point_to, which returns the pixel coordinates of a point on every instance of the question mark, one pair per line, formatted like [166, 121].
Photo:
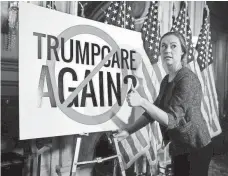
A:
[134, 80]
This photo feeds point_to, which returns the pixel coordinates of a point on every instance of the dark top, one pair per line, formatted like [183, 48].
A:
[181, 100]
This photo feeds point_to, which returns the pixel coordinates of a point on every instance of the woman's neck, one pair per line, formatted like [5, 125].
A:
[172, 71]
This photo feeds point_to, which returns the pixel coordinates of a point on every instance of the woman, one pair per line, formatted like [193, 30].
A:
[178, 110]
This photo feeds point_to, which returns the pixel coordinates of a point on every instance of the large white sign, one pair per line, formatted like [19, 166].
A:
[75, 73]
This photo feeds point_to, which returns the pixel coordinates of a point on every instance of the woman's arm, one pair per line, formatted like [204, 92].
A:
[179, 102]
[140, 123]
[155, 113]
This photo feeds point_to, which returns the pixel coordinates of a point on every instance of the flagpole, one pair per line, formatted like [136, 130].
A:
[124, 13]
[76, 8]
[186, 6]
[173, 15]
[159, 14]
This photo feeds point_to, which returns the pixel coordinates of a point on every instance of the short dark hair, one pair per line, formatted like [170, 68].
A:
[181, 39]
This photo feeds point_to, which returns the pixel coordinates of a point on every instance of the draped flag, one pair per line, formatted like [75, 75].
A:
[205, 62]
[151, 38]
[182, 25]
[119, 14]
[141, 142]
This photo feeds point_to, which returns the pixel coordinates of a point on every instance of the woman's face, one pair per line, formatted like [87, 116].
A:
[171, 50]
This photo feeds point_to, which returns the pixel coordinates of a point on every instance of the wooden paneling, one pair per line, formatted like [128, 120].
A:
[220, 54]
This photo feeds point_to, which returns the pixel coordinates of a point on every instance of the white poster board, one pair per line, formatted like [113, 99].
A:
[62, 57]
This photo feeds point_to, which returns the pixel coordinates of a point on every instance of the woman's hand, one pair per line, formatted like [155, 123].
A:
[121, 135]
[133, 98]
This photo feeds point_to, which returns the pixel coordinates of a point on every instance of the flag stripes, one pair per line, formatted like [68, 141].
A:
[150, 85]
[151, 37]
[141, 138]
[205, 61]
[205, 106]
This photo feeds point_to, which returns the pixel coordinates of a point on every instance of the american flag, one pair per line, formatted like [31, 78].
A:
[119, 13]
[146, 141]
[151, 37]
[182, 25]
[205, 62]
[139, 143]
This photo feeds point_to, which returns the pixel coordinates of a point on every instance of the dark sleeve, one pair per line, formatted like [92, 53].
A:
[182, 98]
[140, 123]
[163, 83]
